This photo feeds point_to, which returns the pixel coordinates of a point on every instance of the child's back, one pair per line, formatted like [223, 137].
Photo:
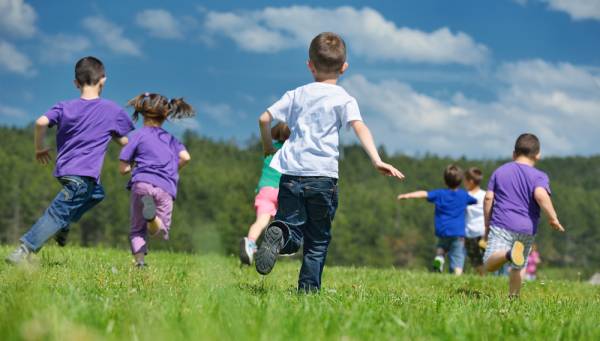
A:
[315, 113]
[450, 207]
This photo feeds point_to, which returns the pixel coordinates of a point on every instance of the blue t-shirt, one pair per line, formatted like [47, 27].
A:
[450, 207]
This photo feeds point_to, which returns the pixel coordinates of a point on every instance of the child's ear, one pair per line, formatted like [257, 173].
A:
[102, 81]
[344, 68]
[538, 156]
[311, 66]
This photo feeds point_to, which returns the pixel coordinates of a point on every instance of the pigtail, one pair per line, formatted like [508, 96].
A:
[178, 108]
[138, 105]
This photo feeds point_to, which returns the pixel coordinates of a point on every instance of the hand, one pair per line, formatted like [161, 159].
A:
[402, 197]
[556, 225]
[43, 156]
[388, 170]
[270, 151]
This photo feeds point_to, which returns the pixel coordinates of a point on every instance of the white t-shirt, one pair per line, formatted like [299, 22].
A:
[475, 225]
[315, 113]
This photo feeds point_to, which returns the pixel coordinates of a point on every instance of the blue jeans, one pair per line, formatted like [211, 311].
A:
[454, 248]
[78, 195]
[307, 206]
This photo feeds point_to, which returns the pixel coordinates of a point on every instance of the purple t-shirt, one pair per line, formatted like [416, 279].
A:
[515, 208]
[85, 127]
[155, 153]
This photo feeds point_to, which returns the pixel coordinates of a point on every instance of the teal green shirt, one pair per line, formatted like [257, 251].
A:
[269, 177]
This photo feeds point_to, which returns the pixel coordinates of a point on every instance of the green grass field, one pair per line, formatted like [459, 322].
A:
[87, 294]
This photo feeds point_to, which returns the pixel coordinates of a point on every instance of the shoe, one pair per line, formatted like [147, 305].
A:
[61, 237]
[266, 256]
[247, 250]
[438, 264]
[140, 264]
[149, 208]
[19, 256]
[517, 256]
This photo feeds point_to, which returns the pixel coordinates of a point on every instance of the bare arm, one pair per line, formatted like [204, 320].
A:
[543, 199]
[184, 158]
[488, 204]
[366, 139]
[124, 167]
[42, 153]
[264, 123]
[413, 195]
[120, 140]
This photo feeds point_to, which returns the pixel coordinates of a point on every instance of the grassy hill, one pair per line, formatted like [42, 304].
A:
[87, 294]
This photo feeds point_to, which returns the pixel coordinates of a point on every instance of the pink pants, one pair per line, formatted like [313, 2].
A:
[164, 209]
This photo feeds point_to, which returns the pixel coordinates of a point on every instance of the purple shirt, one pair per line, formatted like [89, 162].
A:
[85, 127]
[155, 153]
[515, 208]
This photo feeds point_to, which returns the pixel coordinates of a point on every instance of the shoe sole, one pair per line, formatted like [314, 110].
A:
[516, 253]
[266, 256]
[149, 208]
[244, 257]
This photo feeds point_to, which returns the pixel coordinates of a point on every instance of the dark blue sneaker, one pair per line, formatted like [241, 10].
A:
[267, 253]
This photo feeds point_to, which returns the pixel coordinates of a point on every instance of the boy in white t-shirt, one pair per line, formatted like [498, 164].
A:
[474, 226]
[308, 193]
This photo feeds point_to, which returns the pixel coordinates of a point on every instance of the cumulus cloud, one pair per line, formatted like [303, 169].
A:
[559, 102]
[12, 112]
[63, 47]
[111, 35]
[13, 60]
[159, 23]
[577, 9]
[367, 32]
[222, 113]
[17, 18]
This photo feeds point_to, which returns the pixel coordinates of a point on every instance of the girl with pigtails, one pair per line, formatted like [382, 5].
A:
[153, 157]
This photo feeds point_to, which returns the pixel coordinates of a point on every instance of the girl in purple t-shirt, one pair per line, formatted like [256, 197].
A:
[154, 158]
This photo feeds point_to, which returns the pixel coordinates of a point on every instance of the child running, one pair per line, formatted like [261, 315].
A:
[475, 227]
[308, 192]
[265, 202]
[450, 206]
[516, 191]
[155, 157]
[85, 127]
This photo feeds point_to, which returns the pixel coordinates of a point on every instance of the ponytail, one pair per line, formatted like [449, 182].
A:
[178, 108]
[158, 107]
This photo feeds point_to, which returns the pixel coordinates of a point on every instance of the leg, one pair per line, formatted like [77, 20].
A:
[74, 195]
[262, 220]
[97, 195]
[266, 208]
[514, 282]
[137, 233]
[456, 255]
[164, 211]
[321, 204]
[499, 243]
[440, 255]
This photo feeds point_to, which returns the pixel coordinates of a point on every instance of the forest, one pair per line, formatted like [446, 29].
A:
[216, 194]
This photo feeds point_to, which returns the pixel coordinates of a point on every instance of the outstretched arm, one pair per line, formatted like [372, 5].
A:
[366, 139]
[42, 153]
[264, 123]
[488, 204]
[120, 140]
[184, 158]
[543, 199]
[413, 195]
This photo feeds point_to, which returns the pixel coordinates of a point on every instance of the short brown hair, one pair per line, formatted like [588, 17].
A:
[327, 52]
[280, 132]
[158, 107]
[474, 174]
[453, 176]
[89, 71]
[527, 145]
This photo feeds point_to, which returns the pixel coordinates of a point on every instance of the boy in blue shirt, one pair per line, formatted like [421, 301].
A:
[450, 205]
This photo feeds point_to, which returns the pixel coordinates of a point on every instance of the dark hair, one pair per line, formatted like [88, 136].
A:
[474, 174]
[527, 145]
[159, 107]
[453, 176]
[89, 71]
[327, 52]
[280, 132]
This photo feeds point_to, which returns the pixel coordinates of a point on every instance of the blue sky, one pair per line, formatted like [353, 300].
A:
[446, 77]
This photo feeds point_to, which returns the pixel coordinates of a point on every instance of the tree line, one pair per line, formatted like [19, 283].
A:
[216, 194]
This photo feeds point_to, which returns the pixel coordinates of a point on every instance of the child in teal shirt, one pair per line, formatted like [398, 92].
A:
[265, 202]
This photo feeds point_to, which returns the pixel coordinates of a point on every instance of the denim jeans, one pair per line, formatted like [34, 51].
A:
[454, 248]
[78, 195]
[307, 206]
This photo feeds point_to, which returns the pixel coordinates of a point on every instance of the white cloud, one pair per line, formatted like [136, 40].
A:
[159, 23]
[577, 9]
[63, 47]
[17, 18]
[13, 112]
[13, 60]
[559, 102]
[111, 35]
[222, 113]
[366, 31]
